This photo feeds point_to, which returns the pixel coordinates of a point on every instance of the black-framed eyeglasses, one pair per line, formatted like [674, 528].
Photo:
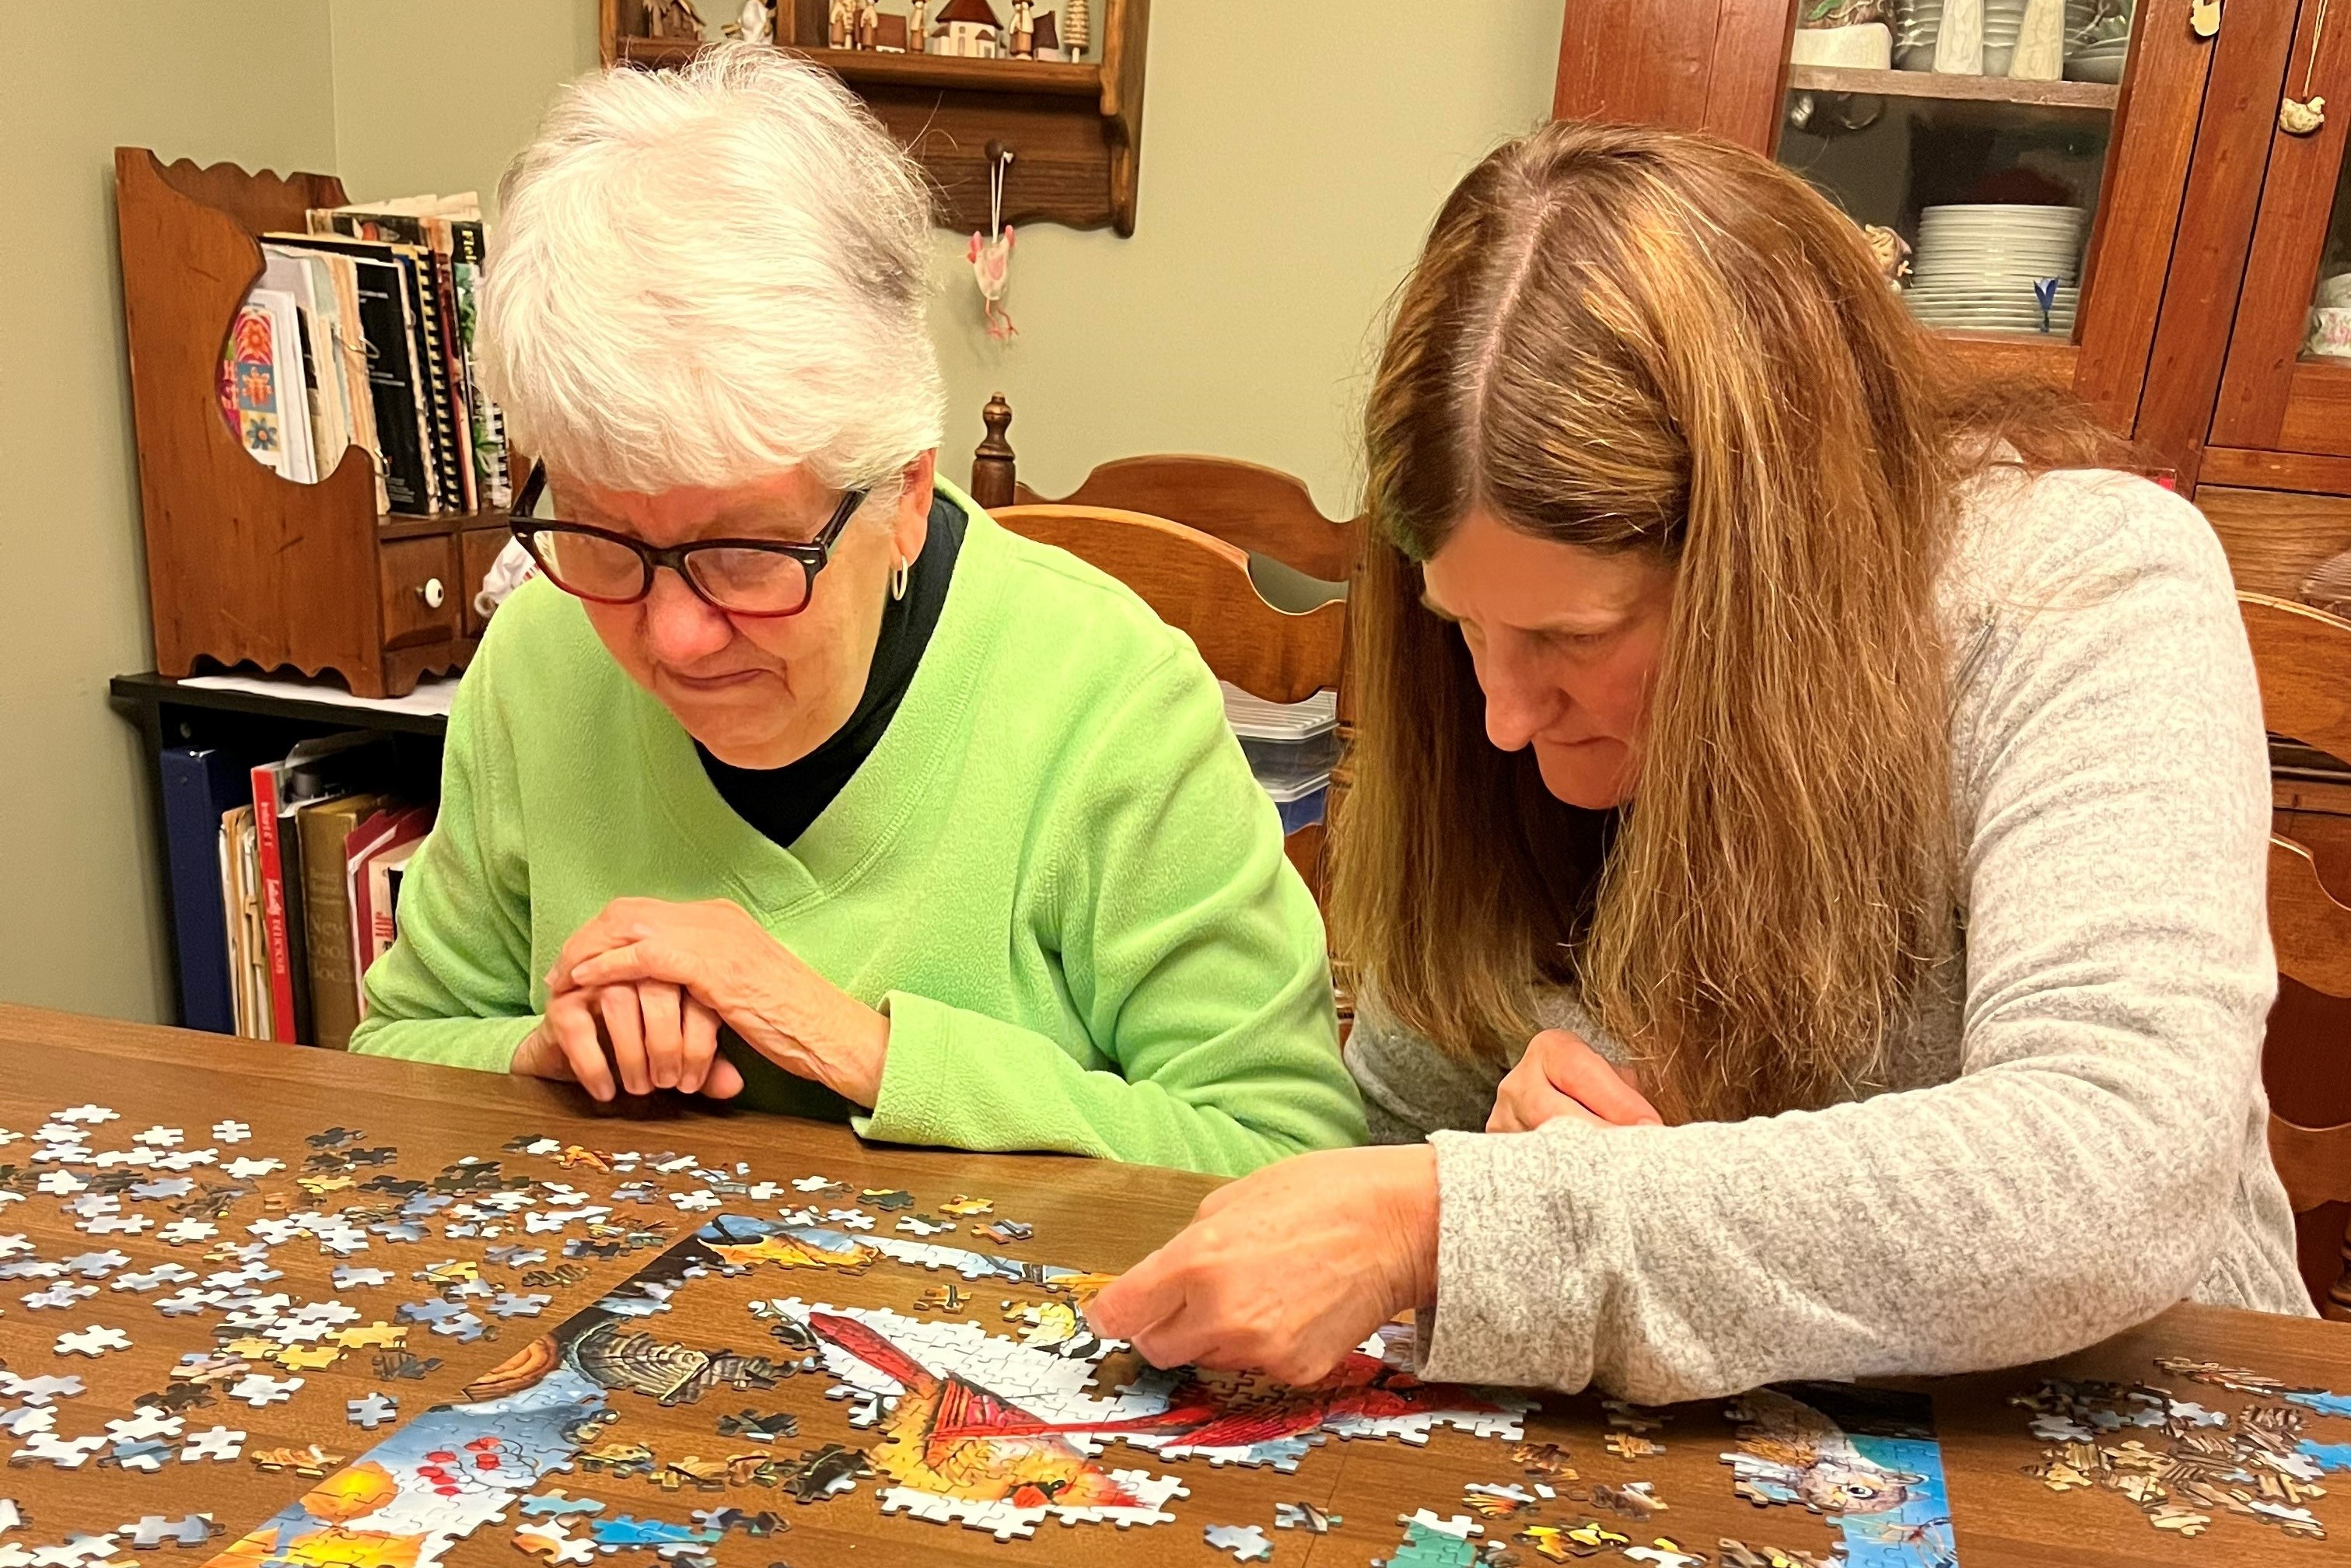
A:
[741, 576]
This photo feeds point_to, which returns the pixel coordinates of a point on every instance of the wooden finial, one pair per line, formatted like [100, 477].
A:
[993, 465]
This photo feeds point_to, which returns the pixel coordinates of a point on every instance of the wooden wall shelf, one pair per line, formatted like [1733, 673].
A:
[1074, 130]
[2084, 94]
[245, 566]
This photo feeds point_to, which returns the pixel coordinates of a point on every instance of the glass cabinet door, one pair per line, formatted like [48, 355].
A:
[1987, 147]
[2287, 384]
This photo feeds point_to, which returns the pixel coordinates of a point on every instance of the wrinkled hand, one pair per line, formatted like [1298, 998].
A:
[1562, 1076]
[719, 955]
[647, 1036]
[1288, 1270]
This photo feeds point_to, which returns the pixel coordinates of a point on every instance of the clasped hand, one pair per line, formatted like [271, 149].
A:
[637, 996]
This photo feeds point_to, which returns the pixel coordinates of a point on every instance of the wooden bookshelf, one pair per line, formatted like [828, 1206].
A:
[1952, 88]
[1074, 128]
[874, 65]
[245, 566]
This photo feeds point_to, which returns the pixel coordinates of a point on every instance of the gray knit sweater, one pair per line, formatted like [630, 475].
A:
[2065, 1141]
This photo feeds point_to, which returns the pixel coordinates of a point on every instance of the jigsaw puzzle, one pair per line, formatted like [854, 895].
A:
[846, 1352]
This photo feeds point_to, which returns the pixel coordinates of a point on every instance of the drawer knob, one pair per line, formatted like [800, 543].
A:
[432, 593]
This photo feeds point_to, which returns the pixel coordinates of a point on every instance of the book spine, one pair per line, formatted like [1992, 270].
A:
[355, 888]
[232, 920]
[453, 363]
[439, 409]
[298, 937]
[273, 905]
[392, 389]
[490, 464]
[195, 785]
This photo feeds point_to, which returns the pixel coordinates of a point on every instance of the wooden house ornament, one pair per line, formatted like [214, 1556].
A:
[967, 29]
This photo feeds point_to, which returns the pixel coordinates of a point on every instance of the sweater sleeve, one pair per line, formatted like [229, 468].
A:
[455, 988]
[1410, 1088]
[1188, 946]
[2077, 1177]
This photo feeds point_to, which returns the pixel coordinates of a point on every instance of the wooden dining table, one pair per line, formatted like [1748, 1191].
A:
[367, 1135]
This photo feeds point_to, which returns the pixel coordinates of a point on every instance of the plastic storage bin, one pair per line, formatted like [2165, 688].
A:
[1291, 746]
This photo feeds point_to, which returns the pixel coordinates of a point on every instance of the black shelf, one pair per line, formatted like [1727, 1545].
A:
[251, 728]
[152, 690]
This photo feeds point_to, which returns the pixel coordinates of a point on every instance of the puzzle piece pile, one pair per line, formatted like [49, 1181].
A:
[2184, 1464]
[213, 1222]
[980, 1400]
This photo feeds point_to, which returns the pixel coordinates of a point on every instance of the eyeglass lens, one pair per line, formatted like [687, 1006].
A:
[752, 581]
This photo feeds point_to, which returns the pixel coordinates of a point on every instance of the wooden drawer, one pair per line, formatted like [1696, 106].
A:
[423, 596]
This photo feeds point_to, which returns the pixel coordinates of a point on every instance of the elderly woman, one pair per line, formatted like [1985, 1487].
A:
[1822, 738]
[945, 829]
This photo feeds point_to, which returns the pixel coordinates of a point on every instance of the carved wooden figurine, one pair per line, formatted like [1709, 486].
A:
[840, 25]
[672, 19]
[868, 25]
[1021, 44]
[752, 25]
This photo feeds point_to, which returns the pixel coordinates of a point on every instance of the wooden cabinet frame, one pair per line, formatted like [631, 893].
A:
[1720, 67]
[2269, 398]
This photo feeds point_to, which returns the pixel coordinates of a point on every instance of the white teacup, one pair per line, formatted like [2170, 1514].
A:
[2330, 332]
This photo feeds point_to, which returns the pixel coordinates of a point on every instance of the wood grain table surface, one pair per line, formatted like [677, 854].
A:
[1088, 1214]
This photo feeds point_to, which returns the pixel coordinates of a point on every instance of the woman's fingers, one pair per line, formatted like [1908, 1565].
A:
[1137, 1300]
[624, 1026]
[634, 962]
[725, 1082]
[659, 1003]
[699, 1046]
[573, 1025]
[1526, 1100]
[622, 921]
[1575, 1070]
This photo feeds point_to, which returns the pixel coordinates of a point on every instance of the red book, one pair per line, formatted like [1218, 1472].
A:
[282, 1025]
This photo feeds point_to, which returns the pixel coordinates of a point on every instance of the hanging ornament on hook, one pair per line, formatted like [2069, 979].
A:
[2302, 116]
[991, 255]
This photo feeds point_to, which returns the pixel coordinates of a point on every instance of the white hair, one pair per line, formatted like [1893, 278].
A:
[705, 276]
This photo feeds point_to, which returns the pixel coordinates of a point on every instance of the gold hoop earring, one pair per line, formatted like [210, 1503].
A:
[898, 580]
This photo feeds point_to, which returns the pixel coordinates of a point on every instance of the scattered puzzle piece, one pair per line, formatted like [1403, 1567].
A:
[553, 1540]
[93, 1342]
[757, 1429]
[154, 1529]
[551, 1504]
[1304, 1516]
[1247, 1543]
[370, 1411]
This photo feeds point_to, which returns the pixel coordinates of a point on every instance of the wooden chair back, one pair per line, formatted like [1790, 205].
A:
[1260, 510]
[2303, 657]
[1200, 585]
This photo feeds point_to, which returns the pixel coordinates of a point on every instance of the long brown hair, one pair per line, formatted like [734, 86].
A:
[1626, 339]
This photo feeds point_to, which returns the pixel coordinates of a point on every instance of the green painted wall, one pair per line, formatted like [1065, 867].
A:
[246, 80]
[1292, 158]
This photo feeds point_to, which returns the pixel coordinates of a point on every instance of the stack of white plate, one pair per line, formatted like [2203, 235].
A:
[1915, 24]
[2097, 40]
[1976, 265]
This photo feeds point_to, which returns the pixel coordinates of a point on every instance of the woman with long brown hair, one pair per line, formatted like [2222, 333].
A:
[1805, 865]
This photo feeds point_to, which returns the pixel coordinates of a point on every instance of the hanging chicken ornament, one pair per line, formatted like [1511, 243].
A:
[991, 254]
[2302, 116]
